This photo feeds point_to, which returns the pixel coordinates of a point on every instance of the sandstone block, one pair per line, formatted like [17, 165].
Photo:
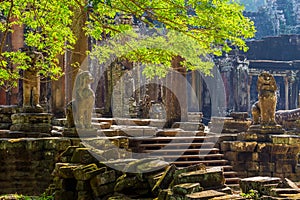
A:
[84, 173]
[83, 156]
[210, 178]
[207, 194]
[187, 188]
[103, 178]
[243, 146]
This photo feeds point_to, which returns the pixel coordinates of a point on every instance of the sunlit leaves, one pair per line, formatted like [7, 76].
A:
[48, 34]
[191, 29]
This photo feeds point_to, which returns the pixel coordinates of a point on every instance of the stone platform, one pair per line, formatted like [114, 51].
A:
[30, 122]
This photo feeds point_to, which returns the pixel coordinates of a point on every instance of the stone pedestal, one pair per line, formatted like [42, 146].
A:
[30, 122]
[5, 116]
[261, 153]
[237, 122]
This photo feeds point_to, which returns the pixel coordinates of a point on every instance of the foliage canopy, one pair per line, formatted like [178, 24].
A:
[187, 28]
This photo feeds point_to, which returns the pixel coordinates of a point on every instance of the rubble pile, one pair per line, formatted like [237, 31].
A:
[79, 175]
[270, 187]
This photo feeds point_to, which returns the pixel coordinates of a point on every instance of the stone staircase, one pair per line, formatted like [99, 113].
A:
[184, 151]
[180, 147]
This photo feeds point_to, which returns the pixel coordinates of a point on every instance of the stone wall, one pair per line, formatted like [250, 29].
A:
[277, 157]
[26, 164]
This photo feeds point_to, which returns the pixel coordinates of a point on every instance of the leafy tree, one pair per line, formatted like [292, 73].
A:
[195, 27]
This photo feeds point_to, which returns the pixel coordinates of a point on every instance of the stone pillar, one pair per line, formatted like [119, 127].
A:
[249, 92]
[17, 42]
[286, 90]
[176, 106]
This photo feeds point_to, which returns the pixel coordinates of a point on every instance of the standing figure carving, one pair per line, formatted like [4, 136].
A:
[31, 88]
[84, 98]
[263, 111]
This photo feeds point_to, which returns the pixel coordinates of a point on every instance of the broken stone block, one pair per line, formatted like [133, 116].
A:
[66, 156]
[187, 188]
[165, 179]
[210, 178]
[163, 194]
[241, 146]
[287, 183]
[146, 165]
[119, 164]
[87, 172]
[83, 186]
[103, 190]
[204, 195]
[189, 126]
[190, 168]
[103, 178]
[125, 182]
[261, 184]
[277, 192]
[83, 156]
[64, 170]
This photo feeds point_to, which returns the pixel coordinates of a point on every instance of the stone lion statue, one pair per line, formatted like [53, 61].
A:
[84, 98]
[263, 111]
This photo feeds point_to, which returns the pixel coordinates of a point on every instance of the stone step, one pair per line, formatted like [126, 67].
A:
[227, 168]
[283, 191]
[162, 152]
[185, 151]
[194, 157]
[180, 139]
[178, 145]
[178, 133]
[205, 162]
[232, 180]
[231, 174]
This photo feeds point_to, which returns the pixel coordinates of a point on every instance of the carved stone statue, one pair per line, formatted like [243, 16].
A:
[263, 111]
[31, 88]
[84, 98]
[69, 115]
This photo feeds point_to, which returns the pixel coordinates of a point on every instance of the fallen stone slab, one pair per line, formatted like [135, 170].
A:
[187, 188]
[204, 195]
[262, 184]
[210, 178]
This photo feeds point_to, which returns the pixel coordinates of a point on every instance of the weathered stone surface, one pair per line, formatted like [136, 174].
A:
[84, 173]
[262, 184]
[278, 192]
[210, 178]
[146, 165]
[165, 180]
[82, 155]
[126, 183]
[189, 126]
[234, 124]
[187, 188]
[103, 178]
[204, 195]
[195, 116]
[28, 127]
[287, 183]
[241, 146]
[266, 129]
[64, 170]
